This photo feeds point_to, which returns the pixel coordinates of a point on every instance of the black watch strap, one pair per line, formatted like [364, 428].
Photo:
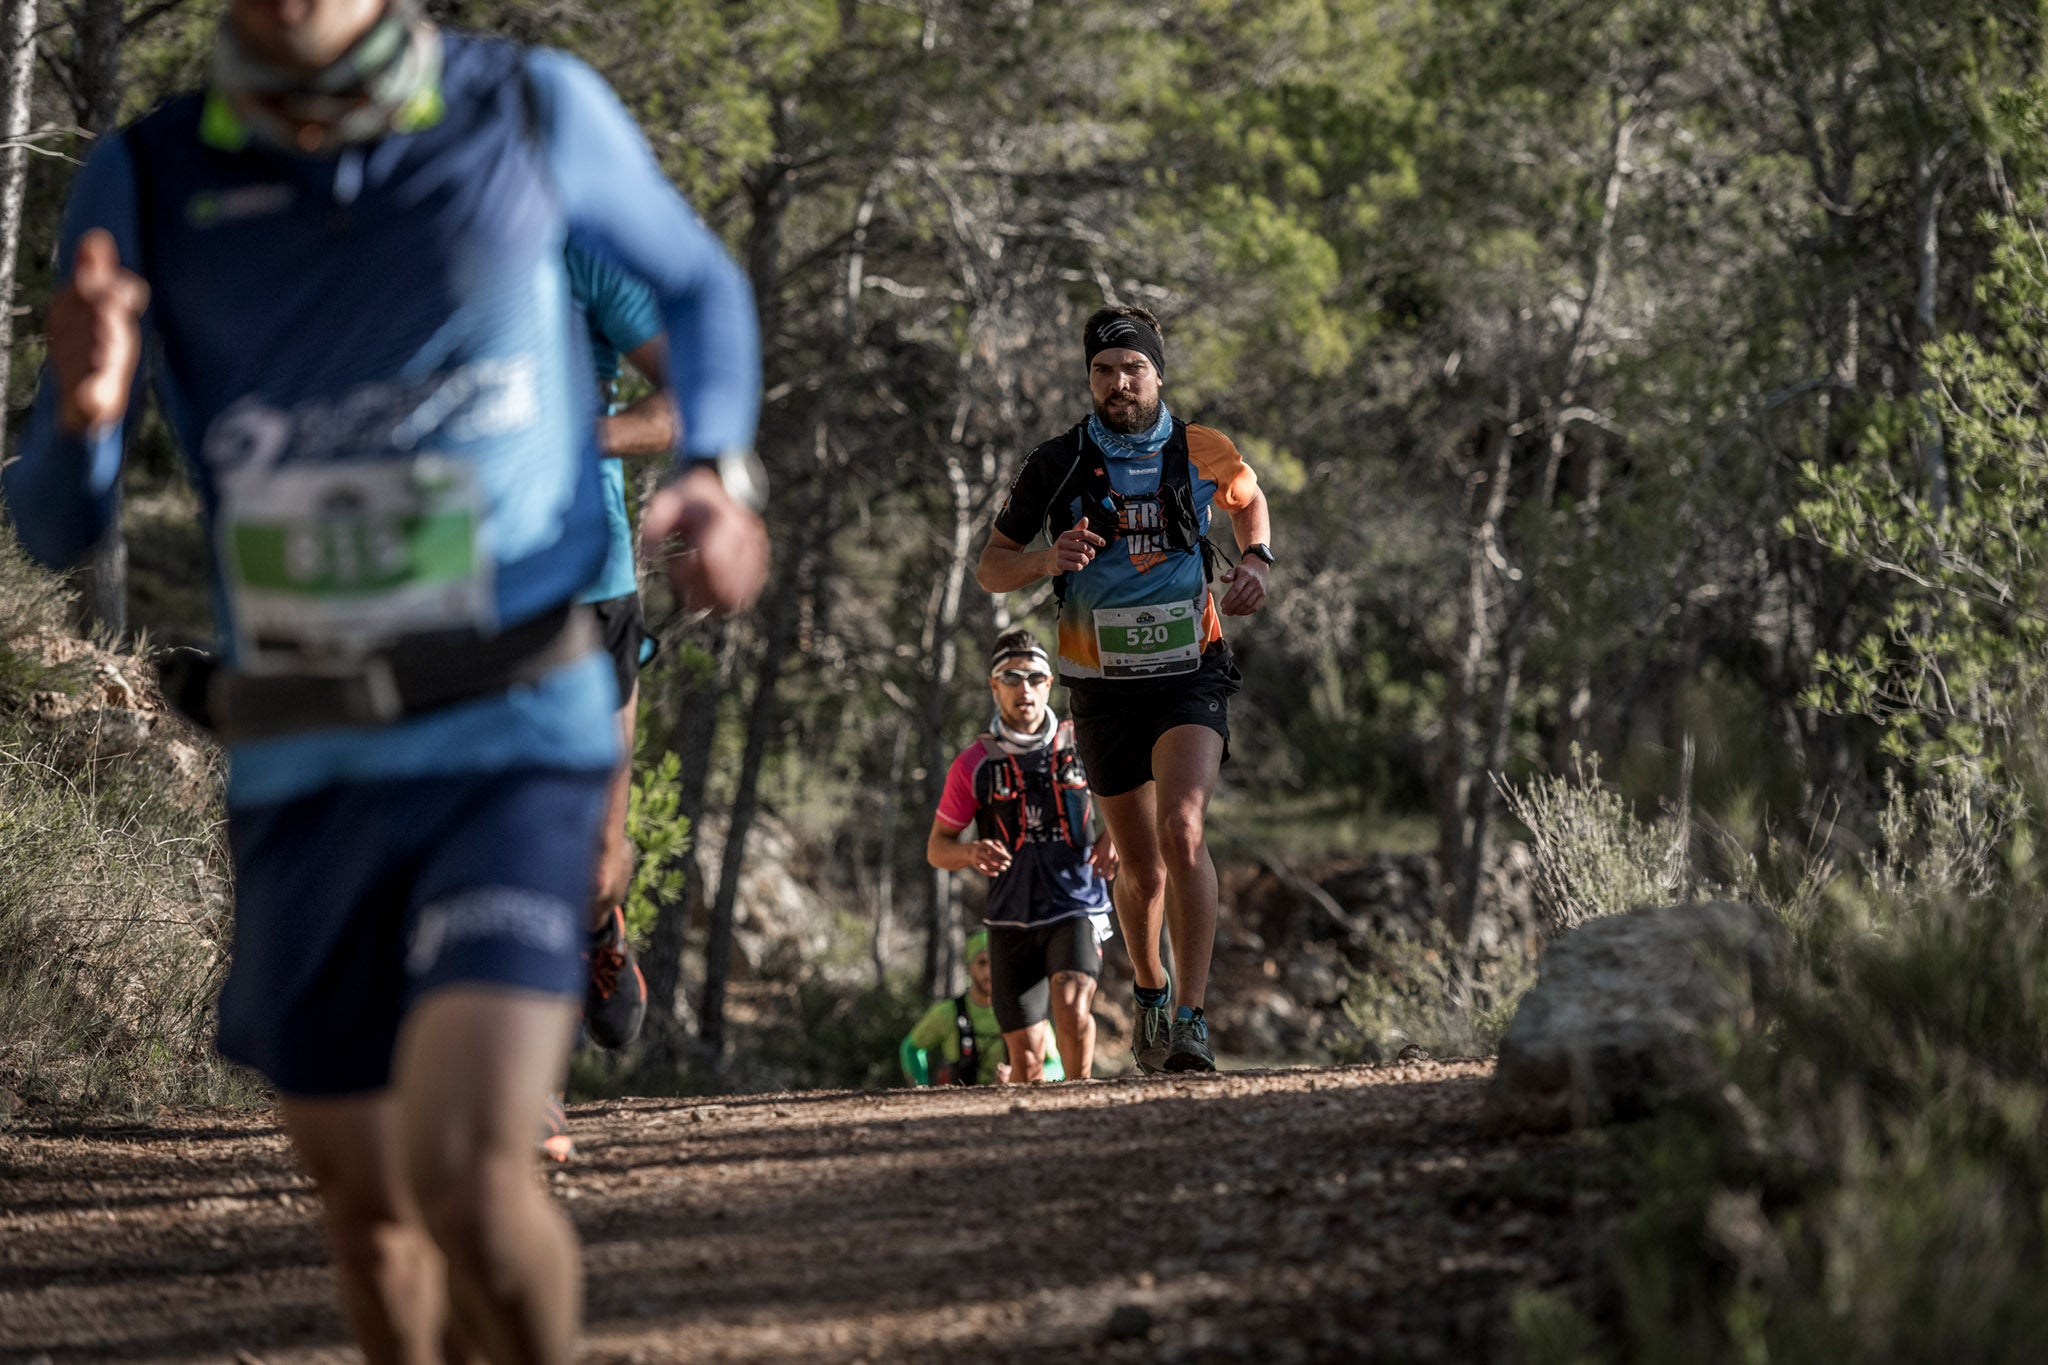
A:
[1262, 551]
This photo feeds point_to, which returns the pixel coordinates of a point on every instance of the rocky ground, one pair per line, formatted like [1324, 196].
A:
[1292, 1215]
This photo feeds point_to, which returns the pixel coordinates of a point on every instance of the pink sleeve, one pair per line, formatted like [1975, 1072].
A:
[957, 804]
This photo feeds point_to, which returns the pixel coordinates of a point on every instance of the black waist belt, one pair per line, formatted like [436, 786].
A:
[420, 673]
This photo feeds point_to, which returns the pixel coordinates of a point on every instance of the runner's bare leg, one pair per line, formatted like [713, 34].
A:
[1026, 1049]
[473, 1063]
[1073, 1021]
[393, 1281]
[1140, 886]
[615, 853]
[1185, 761]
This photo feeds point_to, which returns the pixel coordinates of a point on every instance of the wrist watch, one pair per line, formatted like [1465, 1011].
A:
[739, 469]
[1261, 550]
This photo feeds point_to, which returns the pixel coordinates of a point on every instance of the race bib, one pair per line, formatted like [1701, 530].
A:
[1149, 642]
[325, 563]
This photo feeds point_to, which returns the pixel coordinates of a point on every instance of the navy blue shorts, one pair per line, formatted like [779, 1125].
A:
[355, 901]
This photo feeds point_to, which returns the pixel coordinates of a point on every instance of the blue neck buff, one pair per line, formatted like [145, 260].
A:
[1142, 445]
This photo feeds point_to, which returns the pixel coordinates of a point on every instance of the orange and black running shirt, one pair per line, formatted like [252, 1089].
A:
[1136, 569]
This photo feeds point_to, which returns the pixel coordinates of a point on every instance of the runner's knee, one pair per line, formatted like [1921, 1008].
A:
[1072, 993]
[1180, 836]
[369, 1237]
[1143, 882]
[473, 1206]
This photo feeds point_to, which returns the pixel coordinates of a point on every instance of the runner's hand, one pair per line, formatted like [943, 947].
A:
[715, 550]
[990, 857]
[1075, 548]
[1247, 580]
[1104, 857]
[95, 333]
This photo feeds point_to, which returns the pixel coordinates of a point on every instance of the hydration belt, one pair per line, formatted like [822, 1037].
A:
[418, 674]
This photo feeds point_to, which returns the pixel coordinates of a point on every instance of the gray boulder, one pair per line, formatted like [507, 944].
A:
[1618, 1023]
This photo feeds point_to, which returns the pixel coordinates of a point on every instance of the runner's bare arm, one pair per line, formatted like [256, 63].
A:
[1007, 566]
[1251, 525]
[647, 425]
[944, 849]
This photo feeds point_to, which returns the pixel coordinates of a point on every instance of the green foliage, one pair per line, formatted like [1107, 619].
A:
[1594, 855]
[1950, 520]
[830, 1037]
[1876, 1188]
[660, 834]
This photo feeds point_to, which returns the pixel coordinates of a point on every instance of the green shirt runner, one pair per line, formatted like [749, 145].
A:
[936, 1035]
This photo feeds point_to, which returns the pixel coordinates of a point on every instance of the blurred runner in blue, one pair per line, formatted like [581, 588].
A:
[622, 319]
[345, 257]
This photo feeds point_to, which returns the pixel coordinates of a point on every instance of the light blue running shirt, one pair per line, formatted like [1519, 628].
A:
[621, 316]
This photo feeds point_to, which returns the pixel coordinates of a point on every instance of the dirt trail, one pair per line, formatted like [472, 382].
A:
[1300, 1215]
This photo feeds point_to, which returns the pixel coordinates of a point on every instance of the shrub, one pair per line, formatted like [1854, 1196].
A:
[834, 1038]
[660, 834]
[114, 925]
[1594, 855]
[1876, 1187]
[1427, 992]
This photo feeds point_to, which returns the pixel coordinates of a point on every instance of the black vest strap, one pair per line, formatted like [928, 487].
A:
[1005, 784]
[969, 1070]
[1103, 505]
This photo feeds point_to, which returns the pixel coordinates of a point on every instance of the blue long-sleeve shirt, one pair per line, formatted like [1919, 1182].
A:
[407, 297]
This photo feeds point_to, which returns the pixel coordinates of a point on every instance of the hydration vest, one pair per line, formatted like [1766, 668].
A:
[1036, 797]
[1088, 477]
[966, 1071]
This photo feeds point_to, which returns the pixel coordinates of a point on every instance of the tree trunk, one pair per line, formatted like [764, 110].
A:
[98, 29]
[1933, 452]
[1461, 681]
[1485, 795]
[885, 856]
[19, 37]
[761, 719]
[941, 647]
[696, 731]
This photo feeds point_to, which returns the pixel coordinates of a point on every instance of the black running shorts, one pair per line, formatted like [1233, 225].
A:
[1117, 723]
[624, 630]
[1021, 963]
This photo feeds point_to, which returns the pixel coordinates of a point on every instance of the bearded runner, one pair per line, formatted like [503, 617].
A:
[1116, 510]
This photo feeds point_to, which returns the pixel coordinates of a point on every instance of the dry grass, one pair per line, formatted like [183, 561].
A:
[114, 903]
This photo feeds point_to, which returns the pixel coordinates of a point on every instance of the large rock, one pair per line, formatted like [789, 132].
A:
[1618, 1022]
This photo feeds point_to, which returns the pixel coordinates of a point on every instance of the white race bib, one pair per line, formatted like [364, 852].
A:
[325, 563]
[1149, 642]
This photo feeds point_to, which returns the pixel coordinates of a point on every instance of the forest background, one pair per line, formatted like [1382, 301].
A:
[1583, 346]
[1650, 397]
[1573, 340]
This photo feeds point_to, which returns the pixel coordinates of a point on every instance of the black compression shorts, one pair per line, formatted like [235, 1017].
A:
[1021, 964]
[1117, 723]
[625, 632]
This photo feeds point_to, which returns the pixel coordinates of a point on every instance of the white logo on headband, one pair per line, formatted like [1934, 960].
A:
[1116, 329]
[1032, 652]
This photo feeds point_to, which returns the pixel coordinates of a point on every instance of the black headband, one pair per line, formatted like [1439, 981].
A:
[1109, 331]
